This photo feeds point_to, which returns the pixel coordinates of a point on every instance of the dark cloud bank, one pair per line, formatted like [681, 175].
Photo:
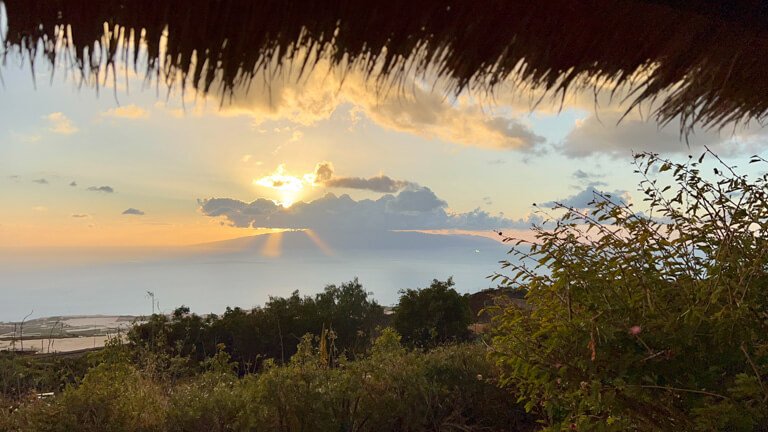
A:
[416, 208]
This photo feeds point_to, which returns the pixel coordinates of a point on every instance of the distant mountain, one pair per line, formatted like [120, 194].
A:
[343, 243]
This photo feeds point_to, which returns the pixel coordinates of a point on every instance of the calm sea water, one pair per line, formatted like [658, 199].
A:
[209, 282]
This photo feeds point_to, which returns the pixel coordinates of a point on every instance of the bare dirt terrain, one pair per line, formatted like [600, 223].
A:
[63, 334]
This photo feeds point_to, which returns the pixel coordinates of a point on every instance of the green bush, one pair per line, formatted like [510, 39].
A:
[654, 321]
[393, 389]
[174, 346]
[111, 397]
[212, 402]
[432, 316]
[24, 375]
[452, 388]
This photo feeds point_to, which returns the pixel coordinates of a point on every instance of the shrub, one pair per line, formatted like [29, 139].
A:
[112, 396]
[212, 402]
[175, 345]
[432, 316]
[652, 321]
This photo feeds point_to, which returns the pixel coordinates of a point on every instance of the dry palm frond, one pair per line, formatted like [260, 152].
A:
[704, 60]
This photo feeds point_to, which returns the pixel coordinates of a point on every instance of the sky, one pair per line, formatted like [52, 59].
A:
[134, 165]
[139, 166]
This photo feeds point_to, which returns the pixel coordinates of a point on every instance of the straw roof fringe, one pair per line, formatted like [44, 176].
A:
[704, 60]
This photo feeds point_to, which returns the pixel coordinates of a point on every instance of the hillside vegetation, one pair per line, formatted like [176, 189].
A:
[646, 316]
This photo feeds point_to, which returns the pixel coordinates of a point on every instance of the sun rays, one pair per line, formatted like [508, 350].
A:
[319, 242]
[273, 244]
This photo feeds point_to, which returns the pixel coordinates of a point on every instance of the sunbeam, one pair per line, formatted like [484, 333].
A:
[273, 247]
[320, 243]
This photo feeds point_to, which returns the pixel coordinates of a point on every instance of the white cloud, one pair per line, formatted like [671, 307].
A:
[131, 112]
[60, 124]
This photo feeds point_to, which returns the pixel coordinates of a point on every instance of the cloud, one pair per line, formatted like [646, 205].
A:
[80, 215]
[430, 115]
[379, 183]
[323, 172]
[588, 178]
[324, 175]
[409, 209]
[281, 180]
[607, 133]
[73, 183]
[105, 189]
[296, 136]
[584, 198]
[133, 211]
[421, 200]
[60, 124]
[40, 181]
[582, 175]
[27, 138]
[420, 110]
[131, 112]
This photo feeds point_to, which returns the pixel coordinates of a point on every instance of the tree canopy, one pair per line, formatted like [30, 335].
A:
[432, 316]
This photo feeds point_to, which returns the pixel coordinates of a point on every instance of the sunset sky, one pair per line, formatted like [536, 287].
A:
[138, 165]
[109, 194]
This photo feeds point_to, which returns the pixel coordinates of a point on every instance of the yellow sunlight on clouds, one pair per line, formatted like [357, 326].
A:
[289, 187]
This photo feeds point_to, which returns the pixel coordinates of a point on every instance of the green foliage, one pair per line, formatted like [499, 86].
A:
[451, 388]
[432, 316]
[393, 389]
[112, 396]
[652, 321]
[212, 402]
[175, 345]
[22, 375]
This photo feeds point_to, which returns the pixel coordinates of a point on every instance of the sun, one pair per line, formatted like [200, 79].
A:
[287, 198]
[289, 187]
